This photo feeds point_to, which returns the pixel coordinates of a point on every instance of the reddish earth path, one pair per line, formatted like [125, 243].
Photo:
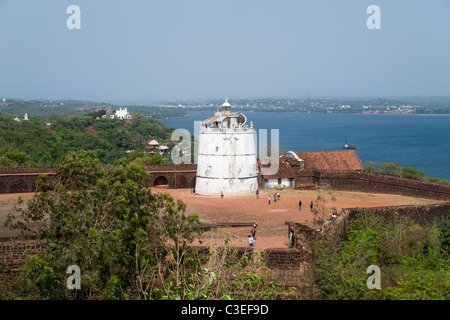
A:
[272, 231]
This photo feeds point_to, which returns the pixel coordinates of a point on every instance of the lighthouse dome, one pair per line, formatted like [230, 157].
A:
[226, 103]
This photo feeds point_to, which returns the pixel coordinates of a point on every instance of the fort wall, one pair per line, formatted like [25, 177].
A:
[337, 231]
[373, 183]
[283, 265]
[423, 215]
[21, 179]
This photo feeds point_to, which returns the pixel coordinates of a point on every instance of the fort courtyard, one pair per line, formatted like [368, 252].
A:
[233, 216]
[272, 231]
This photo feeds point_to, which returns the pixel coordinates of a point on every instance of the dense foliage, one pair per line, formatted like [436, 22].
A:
[414, 261]
[47, 108]
[403, 172]
[39, 142]
[128, 242]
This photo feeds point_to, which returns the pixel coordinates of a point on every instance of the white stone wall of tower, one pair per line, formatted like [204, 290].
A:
[226, 161]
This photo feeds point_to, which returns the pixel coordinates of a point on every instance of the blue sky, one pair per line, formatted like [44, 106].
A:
[142, 51]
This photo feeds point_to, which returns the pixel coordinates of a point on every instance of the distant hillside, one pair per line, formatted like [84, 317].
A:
[35, 143]
[47, 108]
[411, 105]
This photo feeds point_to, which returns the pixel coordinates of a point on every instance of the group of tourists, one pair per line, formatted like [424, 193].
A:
[330, 219]
[311, 205]
[276, 196]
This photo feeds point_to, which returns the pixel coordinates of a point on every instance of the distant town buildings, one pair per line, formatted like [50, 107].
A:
[4, 103]
[25, 118]
[324, 105]
[152, 147]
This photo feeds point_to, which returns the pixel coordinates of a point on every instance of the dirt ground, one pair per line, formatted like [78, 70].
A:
[271, 231]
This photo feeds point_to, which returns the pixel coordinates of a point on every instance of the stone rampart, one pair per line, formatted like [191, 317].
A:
[373, 183]
[22, 170]
[337, 230]
[14, 253]
[284, 265]
[22, 179]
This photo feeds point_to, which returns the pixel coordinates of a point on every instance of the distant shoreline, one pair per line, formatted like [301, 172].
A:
[172, 118]
[322, 113]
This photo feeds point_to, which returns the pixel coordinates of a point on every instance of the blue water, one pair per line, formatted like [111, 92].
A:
[420, 142]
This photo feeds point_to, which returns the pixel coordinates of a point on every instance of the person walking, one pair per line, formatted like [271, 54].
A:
[311, 205]
[291, 238]
[221, 194]
[274, 197]
[269, 199]
[251, 241]
[257, 193]
[300, 205]
[254, 231]
[278, 195]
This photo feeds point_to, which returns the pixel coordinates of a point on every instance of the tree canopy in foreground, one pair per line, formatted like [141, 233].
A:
[127, 242]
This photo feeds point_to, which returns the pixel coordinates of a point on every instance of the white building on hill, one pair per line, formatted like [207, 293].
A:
[226, 154]
[120, 114]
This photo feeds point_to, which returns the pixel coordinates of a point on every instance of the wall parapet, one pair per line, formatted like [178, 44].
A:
[423, 215]
[21, 170]
[22, 179]
[373, 183]
[14, 253]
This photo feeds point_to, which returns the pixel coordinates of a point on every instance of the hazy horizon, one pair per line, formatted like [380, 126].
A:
[147, 52]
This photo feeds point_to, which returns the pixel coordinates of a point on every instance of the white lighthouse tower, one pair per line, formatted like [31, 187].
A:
[226, 154]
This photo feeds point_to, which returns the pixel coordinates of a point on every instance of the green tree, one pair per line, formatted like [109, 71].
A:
[444, 226]
[12, 157]
[413, 261]
[104, 220]
[373, 167]
[391, 168]
[127, 242]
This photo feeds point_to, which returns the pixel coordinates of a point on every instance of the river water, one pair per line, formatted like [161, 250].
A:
[420, 142]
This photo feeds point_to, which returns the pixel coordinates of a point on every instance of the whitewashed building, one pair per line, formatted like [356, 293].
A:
[284, 178]
[120, 114]
[226, 160]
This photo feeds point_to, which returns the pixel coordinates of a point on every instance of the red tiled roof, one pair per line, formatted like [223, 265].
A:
[339, 160]
[284, 170]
